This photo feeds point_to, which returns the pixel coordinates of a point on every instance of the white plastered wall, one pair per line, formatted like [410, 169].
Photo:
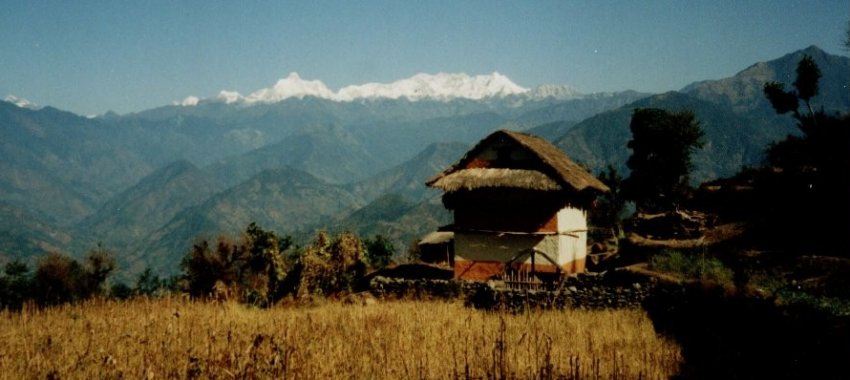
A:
[572, 235]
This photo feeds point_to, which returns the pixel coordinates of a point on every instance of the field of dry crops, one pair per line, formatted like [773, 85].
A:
[174, 338]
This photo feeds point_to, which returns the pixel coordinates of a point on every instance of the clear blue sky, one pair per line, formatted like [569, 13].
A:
[90, 56]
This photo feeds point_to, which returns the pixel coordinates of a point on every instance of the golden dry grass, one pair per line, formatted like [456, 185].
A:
[174, 338]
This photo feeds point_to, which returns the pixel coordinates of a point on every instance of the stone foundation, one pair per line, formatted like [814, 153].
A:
[586, 290]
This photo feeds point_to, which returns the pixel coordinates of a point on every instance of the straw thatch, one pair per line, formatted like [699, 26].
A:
[555, 165]
[437, 237]
[471, 179]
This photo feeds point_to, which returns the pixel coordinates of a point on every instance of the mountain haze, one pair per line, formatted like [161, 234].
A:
[738, 120]
[297, 157]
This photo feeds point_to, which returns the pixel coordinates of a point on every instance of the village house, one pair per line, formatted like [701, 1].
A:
[520, 206]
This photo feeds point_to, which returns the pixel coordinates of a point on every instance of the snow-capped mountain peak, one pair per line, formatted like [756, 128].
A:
[440, 86]
[291, 87]
[21, 102]
[189, 101]
[554, 91]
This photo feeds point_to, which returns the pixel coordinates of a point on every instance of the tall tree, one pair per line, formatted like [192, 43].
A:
[662, 144]
[809, 174]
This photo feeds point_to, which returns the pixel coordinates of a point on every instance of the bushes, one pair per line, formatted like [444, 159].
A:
[330, 266]
[57, 279]
[379, 251]
[691, 266]
[250, 269]
[260, 268]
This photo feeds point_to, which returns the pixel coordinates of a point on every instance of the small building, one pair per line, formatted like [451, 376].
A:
[519, 204]
[437, 248]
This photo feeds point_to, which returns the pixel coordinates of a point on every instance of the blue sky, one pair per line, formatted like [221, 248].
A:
[89, 57]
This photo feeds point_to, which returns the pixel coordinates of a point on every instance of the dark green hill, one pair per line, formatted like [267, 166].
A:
[329, 153]
[396, 218]
[732, 140]
[283, 200]
[743, 92]
[59, 164]
[138, 211]
[738, 120]
[576, 110]
[24, 236]
[408, 179]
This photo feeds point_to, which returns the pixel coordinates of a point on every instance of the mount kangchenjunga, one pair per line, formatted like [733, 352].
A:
[298, 156]
[440, 86]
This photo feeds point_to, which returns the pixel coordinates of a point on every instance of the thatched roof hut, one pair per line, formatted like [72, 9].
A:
[519, 204]
[544, 168]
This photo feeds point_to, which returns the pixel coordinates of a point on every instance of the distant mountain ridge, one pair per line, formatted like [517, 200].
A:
[148, 184]
[440, 86]
[743, 91]
[738, 120]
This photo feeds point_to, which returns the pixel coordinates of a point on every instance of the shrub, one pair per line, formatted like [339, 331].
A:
[15, 285]
[330, 266]
[58, 279]
[698, 266]
[251, 268]
[379, 251]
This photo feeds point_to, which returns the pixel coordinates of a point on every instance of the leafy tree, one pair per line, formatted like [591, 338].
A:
[253, 267]
[100, 263]
[266, 263]
[148, 283]
[205, 266]
[662, 144]
[330, 266]
[379, 251]
[15, 285]
[58, 279]
[120, 291]
[609, 208]
[804, 192]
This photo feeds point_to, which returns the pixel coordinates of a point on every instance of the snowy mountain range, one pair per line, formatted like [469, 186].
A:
[440, 86]
[21, 102]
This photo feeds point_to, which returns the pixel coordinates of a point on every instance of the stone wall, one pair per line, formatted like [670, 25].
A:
[613, 289]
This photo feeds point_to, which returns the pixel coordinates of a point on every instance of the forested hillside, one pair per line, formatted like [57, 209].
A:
[145, 185]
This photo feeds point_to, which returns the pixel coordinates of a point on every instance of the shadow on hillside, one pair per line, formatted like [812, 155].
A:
[728, 336]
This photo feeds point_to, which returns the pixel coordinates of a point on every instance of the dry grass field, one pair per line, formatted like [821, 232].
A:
[175, 338]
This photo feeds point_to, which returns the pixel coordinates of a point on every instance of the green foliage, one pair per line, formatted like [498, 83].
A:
[379, 251]
[58, 279]
[15, 285]
[808, 75]
[609, 207]
[806, 84]
[662, 144]
[330, 266]
[808, 174]
[832, 305]
[120, 291]
[691, 266]
[782, 101]
[148, 283]
[100, 263]
[250, 269]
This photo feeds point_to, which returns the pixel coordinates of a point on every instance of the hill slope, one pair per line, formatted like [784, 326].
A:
[138, 211]
[283, 200]
[738, 121]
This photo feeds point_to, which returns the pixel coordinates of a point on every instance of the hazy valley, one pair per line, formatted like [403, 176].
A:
[147, 184]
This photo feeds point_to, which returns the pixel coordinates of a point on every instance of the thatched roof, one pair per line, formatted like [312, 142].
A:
[437, 237]
[555, 167]
[470, 179]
